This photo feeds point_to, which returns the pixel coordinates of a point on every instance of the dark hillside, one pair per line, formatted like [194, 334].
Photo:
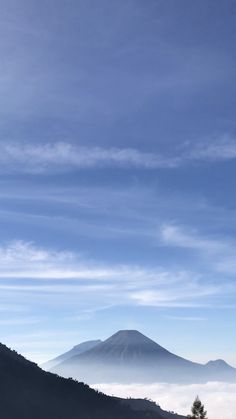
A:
[27, 392]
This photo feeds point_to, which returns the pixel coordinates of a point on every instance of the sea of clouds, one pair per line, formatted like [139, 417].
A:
[219, 398]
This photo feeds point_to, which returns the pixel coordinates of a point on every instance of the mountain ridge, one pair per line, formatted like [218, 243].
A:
[76, 350]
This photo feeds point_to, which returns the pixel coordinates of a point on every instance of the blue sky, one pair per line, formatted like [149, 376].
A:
[117, 174]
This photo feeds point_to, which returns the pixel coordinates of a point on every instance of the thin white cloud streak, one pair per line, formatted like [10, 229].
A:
[20, 321]
[186, 318]
[63, 278]
[185, 295]
[131, 209]
[61, 289]
[219, 398]
[28, 270]
[176, 236]
[220, 253]
[215, 149]
[20, 251]
[22, 260]
[64, 156]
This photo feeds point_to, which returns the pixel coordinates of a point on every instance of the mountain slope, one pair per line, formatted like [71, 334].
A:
[144, 405]
[127, 345]
[76, 350]
[129, 356]
[27, 392]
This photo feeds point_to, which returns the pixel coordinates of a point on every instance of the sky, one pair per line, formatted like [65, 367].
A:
[117, 174]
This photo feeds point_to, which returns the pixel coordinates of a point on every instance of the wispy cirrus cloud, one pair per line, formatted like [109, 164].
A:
[175, 235]
[41, 158]
[185, 294]
[186, 318]
[63, 156]
[213, 149]
[19, 251]
[22, 260]
[20, 321]
[219, 252]
[31, 269]
[66, 286]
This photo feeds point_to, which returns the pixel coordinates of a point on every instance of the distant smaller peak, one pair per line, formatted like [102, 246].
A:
[218, 362]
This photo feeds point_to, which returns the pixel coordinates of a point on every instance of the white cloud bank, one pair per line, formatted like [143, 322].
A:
[219, 398]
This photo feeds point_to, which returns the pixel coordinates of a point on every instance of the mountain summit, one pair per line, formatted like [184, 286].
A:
[129, 356]
[131, 339]
[126, 346]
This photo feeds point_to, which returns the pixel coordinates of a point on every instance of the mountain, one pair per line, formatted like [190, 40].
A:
[76, 350]
[29, 392]
[220, 368]
[129, 356]
[219, 364]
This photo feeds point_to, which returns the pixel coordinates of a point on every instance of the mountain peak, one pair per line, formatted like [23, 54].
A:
[133, 337]
[128, 333]
[125, 346]
[218, 363]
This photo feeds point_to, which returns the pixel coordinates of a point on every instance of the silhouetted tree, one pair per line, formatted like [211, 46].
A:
[198, 411]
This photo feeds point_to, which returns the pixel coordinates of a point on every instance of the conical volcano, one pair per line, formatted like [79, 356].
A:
[126, 346]
[126, 356]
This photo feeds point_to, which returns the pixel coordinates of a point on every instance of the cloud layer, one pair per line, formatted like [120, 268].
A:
[219, 398]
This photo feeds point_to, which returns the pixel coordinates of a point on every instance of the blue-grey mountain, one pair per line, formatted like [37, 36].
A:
[76, 350]
[129, 356]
